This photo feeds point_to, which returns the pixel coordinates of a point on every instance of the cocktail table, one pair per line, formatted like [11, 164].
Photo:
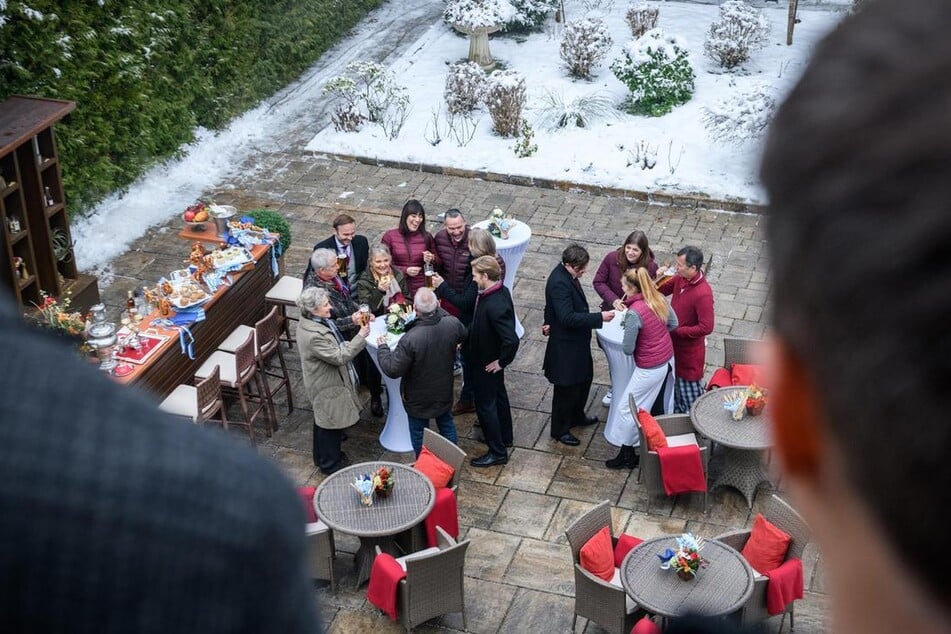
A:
[620, 367]
[743, 441]
[338, 505]
[721, 588]
[395, 435]
[512, 250]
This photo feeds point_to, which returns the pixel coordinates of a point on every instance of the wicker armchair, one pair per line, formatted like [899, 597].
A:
[649, 472]
[786, 518]
[434, 583]
[595, 599]
[414, 539]
[736, 350]
[321, 551]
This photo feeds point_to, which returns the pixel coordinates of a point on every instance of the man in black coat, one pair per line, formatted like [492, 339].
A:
[568, 365]
[346, 243]
[116, 518]
[424, 358]
[490, 347]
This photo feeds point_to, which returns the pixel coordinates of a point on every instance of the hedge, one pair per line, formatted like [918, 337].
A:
[144, 75]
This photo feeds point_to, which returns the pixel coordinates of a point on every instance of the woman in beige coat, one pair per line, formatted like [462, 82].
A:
[329, 376]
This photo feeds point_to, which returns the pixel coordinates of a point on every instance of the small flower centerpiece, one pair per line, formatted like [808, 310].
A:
[755, 400]
[398, 317]
[55, 315]
[686, 560]
[364, 486]
[500, 224]
[383, 482]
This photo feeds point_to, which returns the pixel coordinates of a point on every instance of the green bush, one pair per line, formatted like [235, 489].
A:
[530, 15]
[656, 69]
[144, 75]
[272, 221]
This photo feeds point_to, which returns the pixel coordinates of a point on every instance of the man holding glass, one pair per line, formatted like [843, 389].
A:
[352, 250]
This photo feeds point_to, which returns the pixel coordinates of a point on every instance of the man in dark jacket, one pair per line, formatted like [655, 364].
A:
[490, 347]
[345, 243]
[568, 365]
[423, 358]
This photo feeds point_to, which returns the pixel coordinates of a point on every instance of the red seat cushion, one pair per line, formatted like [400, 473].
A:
[597, 556]
[434, 468]
[654, 435]
[307, 497]
[747, 374]
[623, 546]
[766, 548]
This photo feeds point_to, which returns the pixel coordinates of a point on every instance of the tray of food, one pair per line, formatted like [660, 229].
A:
[186, 293]
[230, 256]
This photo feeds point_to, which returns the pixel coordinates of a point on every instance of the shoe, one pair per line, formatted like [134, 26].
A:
[463, 407]
[488, 460]
[509, 444]
[376, 406]
[568, 439]
[627, 458]
[606, 401]
[588, 420]
[457, 369]
[343, 462]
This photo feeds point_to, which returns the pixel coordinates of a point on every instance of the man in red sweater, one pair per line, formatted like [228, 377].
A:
[692, 301]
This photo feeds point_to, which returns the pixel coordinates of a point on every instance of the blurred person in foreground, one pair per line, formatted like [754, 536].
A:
[857, 169]
[115, 517]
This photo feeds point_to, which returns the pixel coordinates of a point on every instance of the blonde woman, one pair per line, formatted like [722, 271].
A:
[381, 284]
[647, 324]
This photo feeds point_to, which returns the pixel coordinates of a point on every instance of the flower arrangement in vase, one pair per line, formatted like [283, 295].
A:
[500, 224]
[755, 400]
[383, 482]
[398, 317]
[686, 560]
[55, 315]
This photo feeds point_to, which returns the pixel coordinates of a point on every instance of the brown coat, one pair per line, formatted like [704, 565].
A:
[326, 377]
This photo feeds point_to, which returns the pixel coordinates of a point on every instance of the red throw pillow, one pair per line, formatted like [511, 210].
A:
[307, 498]
[746, 374]
[434, 467]
[766, 548]
[654, 435]
[623, 546]
[597, 556]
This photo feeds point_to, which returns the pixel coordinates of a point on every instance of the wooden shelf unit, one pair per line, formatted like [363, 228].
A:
[40, 256]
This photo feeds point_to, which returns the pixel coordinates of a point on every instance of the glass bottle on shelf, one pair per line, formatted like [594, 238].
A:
[49, 196]
[130, 306]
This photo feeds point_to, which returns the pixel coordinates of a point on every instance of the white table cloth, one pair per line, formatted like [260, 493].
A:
[620, 365]
[395, 434]
[512, 250]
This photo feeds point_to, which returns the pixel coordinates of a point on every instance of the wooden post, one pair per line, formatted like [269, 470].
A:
[791, 21]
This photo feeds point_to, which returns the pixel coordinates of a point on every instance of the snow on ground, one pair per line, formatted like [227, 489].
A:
[688, 161]
[597, 155]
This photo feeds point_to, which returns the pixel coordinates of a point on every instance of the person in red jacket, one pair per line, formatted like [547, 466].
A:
[692, 301]
[411, 245]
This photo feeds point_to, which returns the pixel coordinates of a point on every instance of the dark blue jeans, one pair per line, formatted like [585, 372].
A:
[444, 422]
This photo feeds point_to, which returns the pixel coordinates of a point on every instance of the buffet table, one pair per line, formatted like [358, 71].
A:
[241, 303]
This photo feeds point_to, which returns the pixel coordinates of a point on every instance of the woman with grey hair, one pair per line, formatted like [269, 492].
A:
[381, 284]
[330, 379]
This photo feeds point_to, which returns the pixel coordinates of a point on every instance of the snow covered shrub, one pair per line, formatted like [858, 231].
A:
[581, 111]
[465, 84]
[477, 14]
[529, 15]
[740, 29]
[656, 69]
[385, 100]
[641, 18]
[505, 98]
[644, 155]
[526, 145]
[583, 46]
[346, 114]
[740, 117]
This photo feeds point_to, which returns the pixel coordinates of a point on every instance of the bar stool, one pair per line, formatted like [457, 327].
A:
[199, 402]
[267, 342]
[239, 369]
[283, 294]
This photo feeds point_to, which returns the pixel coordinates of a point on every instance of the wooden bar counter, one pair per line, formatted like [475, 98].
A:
[231, 306]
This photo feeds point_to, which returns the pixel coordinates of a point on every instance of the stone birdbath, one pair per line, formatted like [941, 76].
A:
[478, 18]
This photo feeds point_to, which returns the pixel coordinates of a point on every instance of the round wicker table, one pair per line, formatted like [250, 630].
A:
[721, 588]
[743, 441]
[338, 505]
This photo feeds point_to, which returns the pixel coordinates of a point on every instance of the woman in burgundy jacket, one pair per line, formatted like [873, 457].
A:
[632, 254]
[411, 245]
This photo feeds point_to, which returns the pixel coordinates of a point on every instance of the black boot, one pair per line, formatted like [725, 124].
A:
[623, 460]
[634, 459]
